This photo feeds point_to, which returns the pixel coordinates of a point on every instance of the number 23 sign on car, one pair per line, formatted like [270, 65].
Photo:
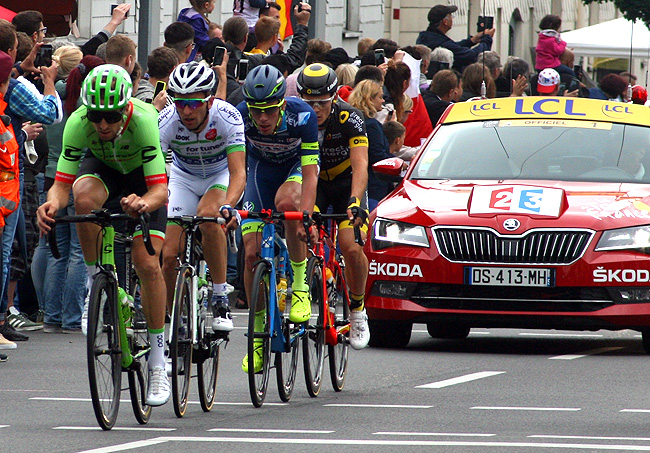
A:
[541, 201]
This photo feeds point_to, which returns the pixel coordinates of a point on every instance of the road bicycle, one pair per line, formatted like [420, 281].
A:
[117, 337]
[192, 339]
[330, 301]
[271, 288]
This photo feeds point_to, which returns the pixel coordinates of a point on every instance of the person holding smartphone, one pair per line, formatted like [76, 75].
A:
[160, 64]
[465, 51]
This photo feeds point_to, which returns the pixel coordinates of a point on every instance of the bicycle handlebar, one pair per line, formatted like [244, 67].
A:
[101, 217]
[320, 218]
[191, 220]
[267, 214]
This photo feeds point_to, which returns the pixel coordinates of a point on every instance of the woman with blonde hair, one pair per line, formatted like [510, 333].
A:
[67, 57]
[367, 96]
[346, 73]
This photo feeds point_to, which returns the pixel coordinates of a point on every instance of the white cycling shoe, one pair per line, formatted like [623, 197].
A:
[359, 332]
[158, 390]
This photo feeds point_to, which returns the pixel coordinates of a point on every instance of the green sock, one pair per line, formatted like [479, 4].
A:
[260, 320]
[299, 276]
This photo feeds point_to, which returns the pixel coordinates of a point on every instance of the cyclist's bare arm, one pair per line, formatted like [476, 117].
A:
[154, 198]
[359, 164]
[237, 181]
[57, 198]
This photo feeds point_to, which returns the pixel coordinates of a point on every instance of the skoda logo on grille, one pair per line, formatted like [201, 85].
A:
[511, 224]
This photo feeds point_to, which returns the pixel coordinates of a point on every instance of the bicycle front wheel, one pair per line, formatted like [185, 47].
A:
[207, 371]
[140, 348]
[338, 354]
[103, 351]
[286, 363]
[313, 347]
[258, 381]
[180, 349]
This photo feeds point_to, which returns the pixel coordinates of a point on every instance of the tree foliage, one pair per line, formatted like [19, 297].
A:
[631, 9]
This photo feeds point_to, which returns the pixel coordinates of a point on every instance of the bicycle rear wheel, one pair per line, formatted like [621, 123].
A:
[180, 349]
[261, 293]
[140, 349]
[103, 351]
[338, 354]
[207, 371]
[313, 347]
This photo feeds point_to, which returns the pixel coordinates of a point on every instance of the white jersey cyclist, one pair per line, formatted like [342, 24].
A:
[199, 160]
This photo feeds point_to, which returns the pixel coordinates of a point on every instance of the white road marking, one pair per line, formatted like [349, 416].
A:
[459, 380]
[88, 400]
[365, 442]
[118, 428]
[471, 333]
[129, 445]
[398, 433]
[286, 431]
[642, 411]
[398, 406]
[513, 408]
[4, 426]
[544, 436]
[573, 335]
[585, 353]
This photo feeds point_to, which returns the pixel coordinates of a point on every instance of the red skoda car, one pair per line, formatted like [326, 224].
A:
[526, 212]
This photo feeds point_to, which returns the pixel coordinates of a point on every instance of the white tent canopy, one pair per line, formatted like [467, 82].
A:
[610, 39]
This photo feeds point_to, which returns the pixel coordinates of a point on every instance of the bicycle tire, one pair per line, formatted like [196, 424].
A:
[103, 351]
[286, 363]
[313, 347]
[180, 350]
[258, 382]
[338, 354]
[208, 368]
[140, 348]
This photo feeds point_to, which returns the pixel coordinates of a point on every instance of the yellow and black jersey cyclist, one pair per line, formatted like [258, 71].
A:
[343, 180]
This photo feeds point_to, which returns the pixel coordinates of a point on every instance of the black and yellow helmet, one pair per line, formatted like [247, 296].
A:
[317, 79]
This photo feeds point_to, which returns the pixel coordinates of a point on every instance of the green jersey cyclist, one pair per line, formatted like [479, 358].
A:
[207, 175]
[282, 147]
[343, 180]
[124, 161]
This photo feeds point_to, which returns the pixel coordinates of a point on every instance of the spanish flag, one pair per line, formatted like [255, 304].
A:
[286, 29]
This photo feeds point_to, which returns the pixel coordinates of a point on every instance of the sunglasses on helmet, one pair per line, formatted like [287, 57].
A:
[110, 116]
[181, 103]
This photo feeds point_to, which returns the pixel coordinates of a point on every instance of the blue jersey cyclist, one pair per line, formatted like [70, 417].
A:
[207, 175]
[283, 159]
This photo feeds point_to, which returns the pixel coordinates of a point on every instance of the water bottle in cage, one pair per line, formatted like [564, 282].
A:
[331, 288]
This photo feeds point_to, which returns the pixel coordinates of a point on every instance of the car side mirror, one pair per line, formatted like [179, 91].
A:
[389, 170]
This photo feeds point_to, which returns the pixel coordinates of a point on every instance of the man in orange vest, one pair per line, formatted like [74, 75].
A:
[9, 182]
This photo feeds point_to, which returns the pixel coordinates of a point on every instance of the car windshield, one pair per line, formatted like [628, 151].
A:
[567, 150]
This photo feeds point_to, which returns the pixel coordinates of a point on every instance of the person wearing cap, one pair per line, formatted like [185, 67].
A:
[548, 82]
[466, 51]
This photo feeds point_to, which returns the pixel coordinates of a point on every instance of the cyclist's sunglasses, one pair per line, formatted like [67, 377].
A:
[181, 103]
[110, 116]
[319, 103]
[271, 109]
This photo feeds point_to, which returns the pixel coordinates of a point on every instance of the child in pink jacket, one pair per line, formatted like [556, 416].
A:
[550, 46]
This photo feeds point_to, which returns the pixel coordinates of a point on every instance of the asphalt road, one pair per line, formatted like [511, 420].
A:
[498, 390]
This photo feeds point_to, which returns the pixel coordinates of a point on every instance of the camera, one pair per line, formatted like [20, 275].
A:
[484, 23]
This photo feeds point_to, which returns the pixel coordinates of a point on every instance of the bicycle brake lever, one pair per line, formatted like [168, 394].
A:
[146, 237]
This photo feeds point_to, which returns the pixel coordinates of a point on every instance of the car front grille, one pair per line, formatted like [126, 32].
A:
[483, 245]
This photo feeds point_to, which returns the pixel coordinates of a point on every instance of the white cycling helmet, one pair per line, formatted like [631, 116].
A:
[191, 77]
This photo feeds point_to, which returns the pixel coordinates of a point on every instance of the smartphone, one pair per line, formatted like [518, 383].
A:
[484, 23]
[380, 57]
[577, 69]
[44, 57]
[300, 4]
[160, 85]
[242, 69]
[113, 7]
[217, 58]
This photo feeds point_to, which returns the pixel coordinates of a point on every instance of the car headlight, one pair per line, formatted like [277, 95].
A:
[625, 238]
[389, 233]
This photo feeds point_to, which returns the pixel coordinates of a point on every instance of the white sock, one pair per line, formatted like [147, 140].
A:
[92, 270]
[220, 289]
[157, 355]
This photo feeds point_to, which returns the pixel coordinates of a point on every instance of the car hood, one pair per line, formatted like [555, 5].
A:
[596, 206]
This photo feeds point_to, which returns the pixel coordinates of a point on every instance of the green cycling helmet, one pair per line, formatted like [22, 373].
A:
[107, 87]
